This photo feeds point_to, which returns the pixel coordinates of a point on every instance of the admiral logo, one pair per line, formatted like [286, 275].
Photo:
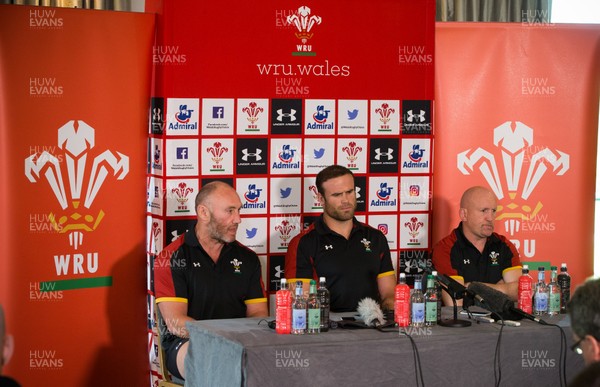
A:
[413, 54]
[320, 119]
[383, 196]
[286, 159]
[42, 19]
[514, 142]
[252, 196]
[304, 23]
[183, 117]
[415, 156]
[45, 87]
[167, 55]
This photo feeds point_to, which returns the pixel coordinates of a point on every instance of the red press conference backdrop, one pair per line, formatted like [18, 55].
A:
[517, 111]
[265, 94]
[74, 91]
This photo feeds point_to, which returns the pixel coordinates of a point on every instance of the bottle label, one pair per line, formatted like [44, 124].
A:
[418, 312]
[314, 318]
[541, 302]
[283, 312]
[431, 311]
[402, 305]
[299, 319]
[554, 303]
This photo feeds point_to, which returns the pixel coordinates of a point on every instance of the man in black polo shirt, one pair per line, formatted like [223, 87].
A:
[206, 273]
[353, 257]
[474, 252]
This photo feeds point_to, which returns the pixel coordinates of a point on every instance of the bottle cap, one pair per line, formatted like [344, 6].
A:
[541, 268]
[434, 273]
[313, 282]
[402, 275]
[321, 279]
[552, 267]
[525, 267]
[563, 265]
[283, 281]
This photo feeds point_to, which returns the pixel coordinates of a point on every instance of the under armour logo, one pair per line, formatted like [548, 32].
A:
[379, 154]
[328, 247]
[247, 154]
[278, 271]
[420, 116]
[197, 264]
[467, 261]
[291, 115]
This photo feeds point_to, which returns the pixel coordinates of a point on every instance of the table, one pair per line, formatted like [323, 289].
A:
[242, 352]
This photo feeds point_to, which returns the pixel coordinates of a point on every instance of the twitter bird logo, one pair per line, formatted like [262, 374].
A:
[352, 114]
[285, 192]
[251, 233]
[319, 153]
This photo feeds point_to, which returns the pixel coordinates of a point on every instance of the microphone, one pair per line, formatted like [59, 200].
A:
[370, 312]
[458, 289]
[500, 303]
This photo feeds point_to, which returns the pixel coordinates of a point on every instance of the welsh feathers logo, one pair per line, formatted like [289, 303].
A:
[304, 23]
[76, 139]
[514, 144]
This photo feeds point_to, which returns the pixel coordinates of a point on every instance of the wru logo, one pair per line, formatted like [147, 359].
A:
[76, 140]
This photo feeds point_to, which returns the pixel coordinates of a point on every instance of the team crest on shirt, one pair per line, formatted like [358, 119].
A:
[494, 257]
[236, 265]
[367, 244]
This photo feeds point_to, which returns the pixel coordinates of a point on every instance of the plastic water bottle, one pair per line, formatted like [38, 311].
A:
[553, 293]
[283, 309]
[299, 311]
[564, 281]
[417, 301]
[438, 289]
[324, 297]
[314, 309]
[431, 302]
[540, 297]
[525, 299]
[402, 302]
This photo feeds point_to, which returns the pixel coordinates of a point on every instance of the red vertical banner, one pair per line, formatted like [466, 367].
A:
[517, 111]
[73, 102]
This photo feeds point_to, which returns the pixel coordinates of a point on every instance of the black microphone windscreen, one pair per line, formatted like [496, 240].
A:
[494, 300]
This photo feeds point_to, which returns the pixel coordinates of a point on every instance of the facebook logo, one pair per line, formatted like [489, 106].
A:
[218, 111]
[182, 153]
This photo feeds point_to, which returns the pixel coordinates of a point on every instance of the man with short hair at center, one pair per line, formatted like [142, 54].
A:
[353, 257]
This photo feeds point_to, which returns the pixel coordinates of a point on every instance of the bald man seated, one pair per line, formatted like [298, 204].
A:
[474, 252]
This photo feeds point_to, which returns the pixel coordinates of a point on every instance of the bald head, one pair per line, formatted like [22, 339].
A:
[210, 191]
[478, 213]
[474, 195]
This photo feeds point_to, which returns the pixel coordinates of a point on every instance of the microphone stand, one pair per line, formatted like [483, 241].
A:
[455, 322]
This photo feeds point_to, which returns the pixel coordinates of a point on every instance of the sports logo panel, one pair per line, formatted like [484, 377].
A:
[252, 156]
